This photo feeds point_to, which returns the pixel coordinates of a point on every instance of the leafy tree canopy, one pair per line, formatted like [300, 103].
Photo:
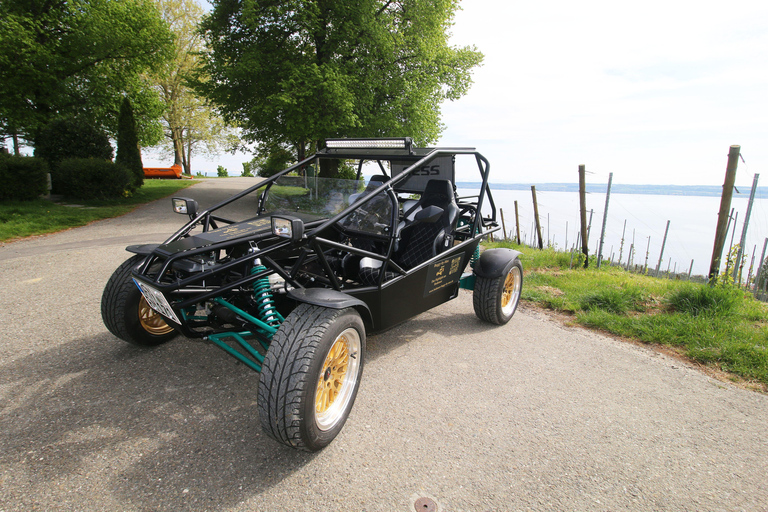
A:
[300, 71]
[191, 125]
[78, 58]
[269, 160]
[70, 138]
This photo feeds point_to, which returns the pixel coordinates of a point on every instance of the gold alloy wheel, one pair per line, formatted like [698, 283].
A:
[151, 321]
[511, 292]
[337, 379]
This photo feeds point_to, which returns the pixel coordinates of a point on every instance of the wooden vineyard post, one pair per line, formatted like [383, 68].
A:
[730, 247]
[605, 217]
[759, 271]
[517, 224]
[583, 213]
[661, 254]
[503, 225]
[536, 217]
[737, 273]
[621, 247]
[722, 216]
[751, 266]
[647, 254]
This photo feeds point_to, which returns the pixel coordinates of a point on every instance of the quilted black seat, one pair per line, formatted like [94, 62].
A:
[420, 241]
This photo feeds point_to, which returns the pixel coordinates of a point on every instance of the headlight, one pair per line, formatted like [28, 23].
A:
[184, 206]
[288, 227]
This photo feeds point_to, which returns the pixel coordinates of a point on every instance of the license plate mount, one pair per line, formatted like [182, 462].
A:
[157, 301]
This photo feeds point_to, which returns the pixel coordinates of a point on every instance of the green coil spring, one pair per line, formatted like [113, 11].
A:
[265, 303]
[476, 254]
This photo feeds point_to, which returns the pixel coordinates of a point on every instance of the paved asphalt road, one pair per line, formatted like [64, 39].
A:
[529, 416]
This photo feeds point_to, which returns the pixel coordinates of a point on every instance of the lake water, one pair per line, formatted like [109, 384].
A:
[691, 232]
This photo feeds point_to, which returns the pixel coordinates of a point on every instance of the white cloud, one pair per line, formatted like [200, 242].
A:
[654, 92]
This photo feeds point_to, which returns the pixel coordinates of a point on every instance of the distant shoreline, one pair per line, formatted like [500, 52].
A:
[617, 188]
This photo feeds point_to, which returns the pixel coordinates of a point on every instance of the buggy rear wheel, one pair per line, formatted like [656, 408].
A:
[127, 314]
[310, 376]
[495, 299]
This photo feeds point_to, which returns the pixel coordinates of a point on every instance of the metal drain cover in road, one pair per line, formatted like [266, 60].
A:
[425, 505]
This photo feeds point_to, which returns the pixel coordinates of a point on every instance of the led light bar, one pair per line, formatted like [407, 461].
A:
[390, 143]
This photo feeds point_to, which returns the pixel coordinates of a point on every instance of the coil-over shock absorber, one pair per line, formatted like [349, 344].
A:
[265, 303]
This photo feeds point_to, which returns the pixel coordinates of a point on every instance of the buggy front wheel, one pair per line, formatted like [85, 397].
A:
[310, 376]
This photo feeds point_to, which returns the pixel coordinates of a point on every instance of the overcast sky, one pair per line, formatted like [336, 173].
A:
[654, 91]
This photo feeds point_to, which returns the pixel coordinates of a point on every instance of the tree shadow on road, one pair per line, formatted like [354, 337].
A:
[175, 427]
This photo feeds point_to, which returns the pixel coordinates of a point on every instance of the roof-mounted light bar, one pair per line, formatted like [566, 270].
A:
[386, 143]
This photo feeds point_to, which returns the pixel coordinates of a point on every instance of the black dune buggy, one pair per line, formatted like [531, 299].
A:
[292, 289]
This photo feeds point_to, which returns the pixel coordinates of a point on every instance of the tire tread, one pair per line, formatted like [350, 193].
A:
[285, 372]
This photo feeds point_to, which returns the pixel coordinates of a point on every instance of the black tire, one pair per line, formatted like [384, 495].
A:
[496, 298]
[126, 313]
[298, 404]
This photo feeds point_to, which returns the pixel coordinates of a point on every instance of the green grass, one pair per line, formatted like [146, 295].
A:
[722, 327]
[19, 219]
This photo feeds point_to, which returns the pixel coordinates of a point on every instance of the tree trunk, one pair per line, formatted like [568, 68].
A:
[188, 159]
[329, 168]
[16, 144]
[178, 146]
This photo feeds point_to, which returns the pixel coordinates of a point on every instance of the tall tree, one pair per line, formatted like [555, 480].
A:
[189, 122]
[128, 152]
[300, 71]
[78, 58]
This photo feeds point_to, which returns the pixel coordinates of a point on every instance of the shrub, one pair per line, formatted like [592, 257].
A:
[22, 178]
[70, 138]
[247, 169]
[346, 171]
[128, 153]
[698, 299]
[222, 172]
[91, 178]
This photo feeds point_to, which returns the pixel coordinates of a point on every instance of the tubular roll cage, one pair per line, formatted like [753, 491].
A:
[194, 287]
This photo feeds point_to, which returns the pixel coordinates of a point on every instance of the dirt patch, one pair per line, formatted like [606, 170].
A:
[548, 271]
[555, 292]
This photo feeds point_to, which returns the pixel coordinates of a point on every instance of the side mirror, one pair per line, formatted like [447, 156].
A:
[185, 206]
[288, 227]
[429, 214]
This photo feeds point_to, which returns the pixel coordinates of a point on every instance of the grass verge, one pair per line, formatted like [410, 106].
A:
[724, 328]
[19, 219]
